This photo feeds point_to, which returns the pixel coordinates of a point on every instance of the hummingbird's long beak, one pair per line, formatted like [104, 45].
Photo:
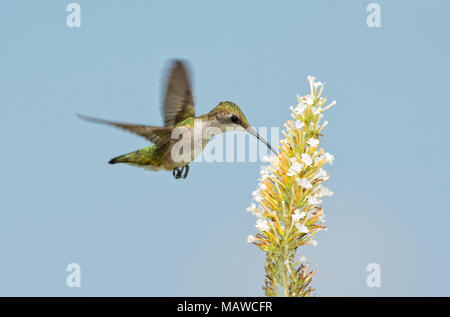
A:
[253, 132]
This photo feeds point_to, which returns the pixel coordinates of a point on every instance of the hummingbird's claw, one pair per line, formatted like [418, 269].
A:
[186, 171]
[178, 172]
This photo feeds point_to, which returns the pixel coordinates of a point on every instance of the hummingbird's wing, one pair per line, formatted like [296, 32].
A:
[156, 135]
[179, 102]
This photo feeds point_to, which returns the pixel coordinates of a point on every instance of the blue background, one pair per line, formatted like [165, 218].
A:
[136, 232]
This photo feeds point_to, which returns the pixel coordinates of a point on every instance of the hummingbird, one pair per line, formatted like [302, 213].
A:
[178, 112]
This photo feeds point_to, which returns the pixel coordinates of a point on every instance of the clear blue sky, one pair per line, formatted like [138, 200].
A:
[136, 232]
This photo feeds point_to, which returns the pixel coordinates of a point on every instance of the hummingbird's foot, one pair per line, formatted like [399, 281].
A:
[186, 171]
[177, 173]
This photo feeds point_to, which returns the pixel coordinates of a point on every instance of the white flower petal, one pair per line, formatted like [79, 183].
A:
[321, 174]
[316, 111]
[300, 108]
[324, 191]
[313, 142]
[262, 224]
[297, 215]
[313, 200]
[298, 124]
[306, 159]
[303, 182]
[318, 84]
[322, 218]
[329, 157]
[309, 100]
[301, 228]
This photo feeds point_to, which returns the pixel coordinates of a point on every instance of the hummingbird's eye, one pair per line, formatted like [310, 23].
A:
[235, 119]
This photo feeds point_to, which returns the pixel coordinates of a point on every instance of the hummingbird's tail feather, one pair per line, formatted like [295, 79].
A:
[125, 158]
[149, 158]
[115, 160]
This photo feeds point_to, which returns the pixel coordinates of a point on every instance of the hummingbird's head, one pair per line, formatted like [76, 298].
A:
[230, 117]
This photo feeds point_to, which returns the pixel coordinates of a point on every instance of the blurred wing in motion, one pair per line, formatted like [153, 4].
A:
[179, 102]
[156, 135]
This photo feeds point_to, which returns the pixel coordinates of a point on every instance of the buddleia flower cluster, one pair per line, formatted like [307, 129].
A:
[288, 200]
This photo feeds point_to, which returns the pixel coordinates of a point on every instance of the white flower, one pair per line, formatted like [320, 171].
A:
[250, 239]
[298, 124]
[313, 242]
[301, 228]
[324, 191]
[254, 211]
[297, 215]
[273, 159]
[313, 142]
[311, 80]
[309, 99]
[295, 168]
[291, 171]
[316, 110]
[330, 105]
[262, 186]
[317, 84]
[302, 259]
[257, 195]
[258, 213]
[329, 157]
[306, 158]
[321, 173]
[313, 200]
[319, 158]
[286, 262]
[300, 108]
[324, 124]
[262, 224]
[322, 218]
[251, 208]
[303, 182]
[264, 175]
